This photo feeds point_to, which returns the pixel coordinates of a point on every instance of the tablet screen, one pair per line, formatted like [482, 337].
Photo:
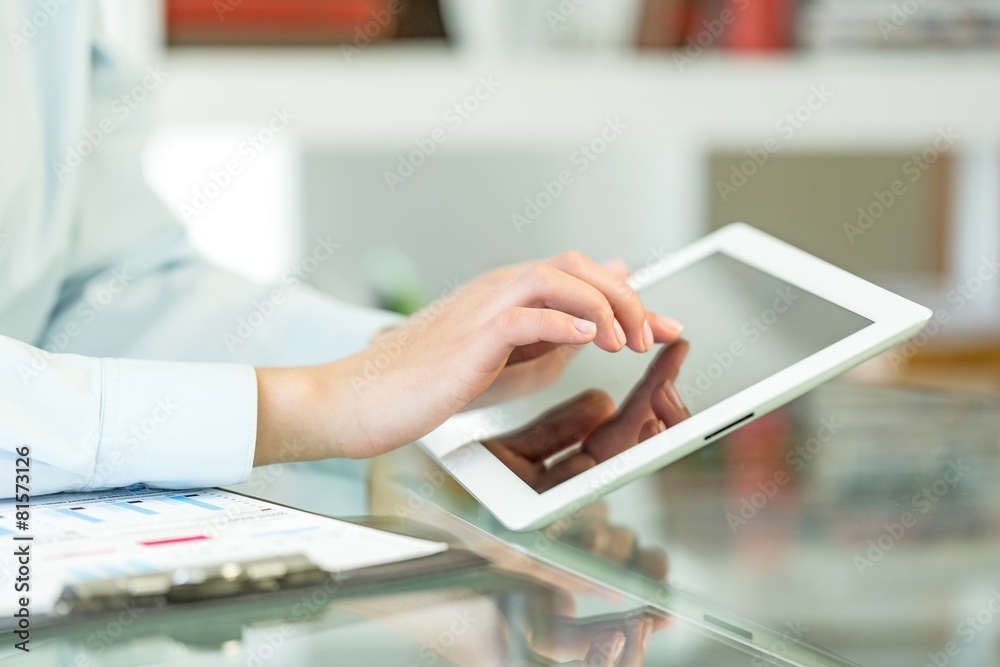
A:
[741, 325]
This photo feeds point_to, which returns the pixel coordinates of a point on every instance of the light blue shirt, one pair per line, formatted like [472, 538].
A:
[124, 357]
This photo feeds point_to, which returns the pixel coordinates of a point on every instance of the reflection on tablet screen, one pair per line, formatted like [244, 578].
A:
[741, 326]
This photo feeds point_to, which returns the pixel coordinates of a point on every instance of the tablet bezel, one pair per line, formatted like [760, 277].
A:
[519, 507]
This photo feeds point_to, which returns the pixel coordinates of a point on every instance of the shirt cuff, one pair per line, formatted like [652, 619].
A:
[175, 425]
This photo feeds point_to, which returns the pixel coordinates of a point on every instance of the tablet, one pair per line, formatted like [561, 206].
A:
[764, 323]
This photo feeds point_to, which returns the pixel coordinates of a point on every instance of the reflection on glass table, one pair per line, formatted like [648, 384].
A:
[858, 519]
[861, 519]
[518, 612]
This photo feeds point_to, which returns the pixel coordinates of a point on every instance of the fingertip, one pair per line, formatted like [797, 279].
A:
[670, 326]
[620, 333]
[617, 647]
[647, 336]
[586, 327]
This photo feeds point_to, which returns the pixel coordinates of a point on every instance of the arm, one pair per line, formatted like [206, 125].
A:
[445, 357]
[97, 423]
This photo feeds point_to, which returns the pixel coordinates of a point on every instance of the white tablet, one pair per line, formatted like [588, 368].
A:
[764, 323]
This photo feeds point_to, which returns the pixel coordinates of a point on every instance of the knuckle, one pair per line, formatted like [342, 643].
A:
[630, 296]
[571, 258]
[537, 274]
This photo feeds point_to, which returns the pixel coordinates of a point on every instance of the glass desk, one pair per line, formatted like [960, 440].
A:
[859, 519]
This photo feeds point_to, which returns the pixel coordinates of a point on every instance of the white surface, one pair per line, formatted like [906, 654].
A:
[519, 507]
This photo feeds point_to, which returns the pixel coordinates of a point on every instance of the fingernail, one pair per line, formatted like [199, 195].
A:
[671, 325]
[620, 333]
[660, 426]
[647, 335]
[584, 326]
[617, 648]
[671, 391]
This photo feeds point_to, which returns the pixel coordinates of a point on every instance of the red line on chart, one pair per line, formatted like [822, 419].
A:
[174, 540]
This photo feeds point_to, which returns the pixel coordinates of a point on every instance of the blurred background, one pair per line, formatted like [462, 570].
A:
[433, 139]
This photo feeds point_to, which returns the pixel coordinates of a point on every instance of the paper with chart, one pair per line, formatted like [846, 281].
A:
[95, 536]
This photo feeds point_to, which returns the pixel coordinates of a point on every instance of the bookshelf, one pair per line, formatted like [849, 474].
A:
[391, 95]
[376, 105]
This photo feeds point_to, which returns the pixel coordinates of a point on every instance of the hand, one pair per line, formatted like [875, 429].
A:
[446, 356]
[590, 421]
[611, 642]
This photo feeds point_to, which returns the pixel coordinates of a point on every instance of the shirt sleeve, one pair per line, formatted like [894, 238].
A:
[98, 423]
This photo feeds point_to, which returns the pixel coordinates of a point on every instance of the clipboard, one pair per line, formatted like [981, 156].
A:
[285, 557]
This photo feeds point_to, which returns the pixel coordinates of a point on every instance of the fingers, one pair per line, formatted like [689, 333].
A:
[650, 428]
[564, 470]
[608, 542]
[606, 650]
[653, 563]
[562, 426]
[668, 406]
[637, 636]
[519, 326]
[623, 299]
[665, 329]
[638, 408]
[547, 286]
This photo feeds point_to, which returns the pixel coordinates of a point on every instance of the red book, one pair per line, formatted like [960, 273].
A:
[269, 21]
[760, 25]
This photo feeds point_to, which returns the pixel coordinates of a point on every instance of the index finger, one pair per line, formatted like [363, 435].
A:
[624, 300]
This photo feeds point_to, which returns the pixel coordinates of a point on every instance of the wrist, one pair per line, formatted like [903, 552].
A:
[305, 414]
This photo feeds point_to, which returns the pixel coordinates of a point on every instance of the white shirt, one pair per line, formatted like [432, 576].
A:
[124, 358]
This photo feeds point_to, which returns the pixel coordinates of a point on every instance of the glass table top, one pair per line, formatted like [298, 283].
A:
[859, 519]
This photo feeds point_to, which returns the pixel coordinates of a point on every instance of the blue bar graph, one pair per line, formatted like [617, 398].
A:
[196, 503]
[290, 531]
[79, 515]
[135, 508]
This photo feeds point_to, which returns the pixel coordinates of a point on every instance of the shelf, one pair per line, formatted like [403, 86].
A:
[386, 97]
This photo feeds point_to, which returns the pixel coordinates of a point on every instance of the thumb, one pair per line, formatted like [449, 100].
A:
[518, 326]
